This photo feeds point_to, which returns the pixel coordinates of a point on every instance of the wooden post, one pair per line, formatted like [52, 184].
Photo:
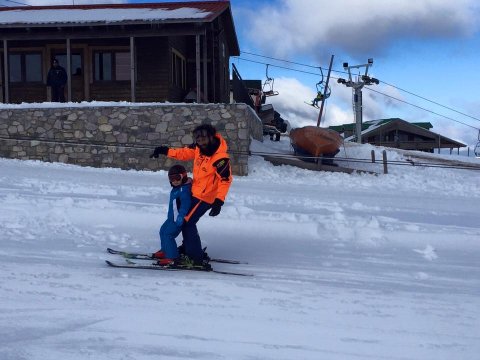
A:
[373, 156]
[132, 69]
[5, 72]
[385, 170]
[69, 71]
[197, 67]
[205, 69]
[213, 79]
[325, 92]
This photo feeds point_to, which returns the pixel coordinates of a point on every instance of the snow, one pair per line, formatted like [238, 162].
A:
[85, 104]
[91, 104]
[110, 15]
[345, 266]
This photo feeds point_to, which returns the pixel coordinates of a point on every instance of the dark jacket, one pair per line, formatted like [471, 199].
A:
[57, 76]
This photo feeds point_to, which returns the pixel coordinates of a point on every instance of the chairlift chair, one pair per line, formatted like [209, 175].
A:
[267, 87]
[320, 93]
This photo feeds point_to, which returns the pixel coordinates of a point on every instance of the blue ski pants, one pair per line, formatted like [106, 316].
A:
[168, 233]
[191, 238]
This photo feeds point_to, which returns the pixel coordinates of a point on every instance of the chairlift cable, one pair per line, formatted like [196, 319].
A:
[355, 160]
[379, 92]
[433, 102]
[287, 61]
[368, 88]
[259, 153]
[422, 108]
[343, 72]
[17, 2]
[281, 67]
[291, 62]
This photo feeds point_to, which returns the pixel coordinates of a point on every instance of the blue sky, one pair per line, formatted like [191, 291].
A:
[427, 47]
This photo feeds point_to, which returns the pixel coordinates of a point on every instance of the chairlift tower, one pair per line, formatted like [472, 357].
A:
[357, 92]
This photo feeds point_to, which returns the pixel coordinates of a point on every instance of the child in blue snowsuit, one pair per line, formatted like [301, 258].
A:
[179, 204]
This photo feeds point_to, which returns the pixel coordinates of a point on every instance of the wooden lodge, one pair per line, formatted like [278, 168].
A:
[398, 133]
[153, 52]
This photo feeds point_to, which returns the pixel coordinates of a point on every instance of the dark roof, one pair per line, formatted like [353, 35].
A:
[379, 122]
[26, 14]
[22, 17]
[377, 126]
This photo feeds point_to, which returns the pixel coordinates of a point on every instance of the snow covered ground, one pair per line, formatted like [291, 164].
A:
[345, 266]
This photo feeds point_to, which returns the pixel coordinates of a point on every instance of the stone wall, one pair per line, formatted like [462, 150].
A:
[121, 136]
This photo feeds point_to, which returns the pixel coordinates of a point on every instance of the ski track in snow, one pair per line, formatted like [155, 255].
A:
[346, 267]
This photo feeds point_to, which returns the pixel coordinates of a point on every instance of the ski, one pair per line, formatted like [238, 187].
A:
[132, 265]
[143, 256]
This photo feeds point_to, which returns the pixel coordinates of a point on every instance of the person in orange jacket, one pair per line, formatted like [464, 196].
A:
[212, 177]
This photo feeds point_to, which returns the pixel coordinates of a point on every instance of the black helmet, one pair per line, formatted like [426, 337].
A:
[205, 130]
[177, 172]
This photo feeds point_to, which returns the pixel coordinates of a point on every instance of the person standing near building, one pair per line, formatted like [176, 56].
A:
[212, 178]
[56, 79]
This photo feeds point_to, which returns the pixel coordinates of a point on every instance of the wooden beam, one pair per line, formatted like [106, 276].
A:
[96, 33]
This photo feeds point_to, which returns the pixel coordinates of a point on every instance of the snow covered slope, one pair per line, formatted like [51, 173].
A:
[346, 266]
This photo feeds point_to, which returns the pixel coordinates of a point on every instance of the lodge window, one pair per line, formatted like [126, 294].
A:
[179, 70]
[25, 67]
[111, 66]
[75, 63]
[390, 136]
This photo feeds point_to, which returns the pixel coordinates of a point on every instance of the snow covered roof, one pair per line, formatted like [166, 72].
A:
[32, 16]
[372, 127]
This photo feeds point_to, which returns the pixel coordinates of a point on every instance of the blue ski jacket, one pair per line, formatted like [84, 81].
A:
[179, 203]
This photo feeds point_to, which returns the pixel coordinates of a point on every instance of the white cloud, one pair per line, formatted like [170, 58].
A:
[357, 27]
[459, 133]
[293, 96]
[291, 104]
